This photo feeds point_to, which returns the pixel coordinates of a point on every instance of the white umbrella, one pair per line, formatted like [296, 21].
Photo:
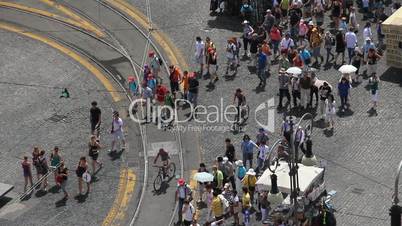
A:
[294, 70]
[203, 177]
[346, 69]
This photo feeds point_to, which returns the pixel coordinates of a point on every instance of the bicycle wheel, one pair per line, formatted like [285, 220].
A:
[171, 172]
[158, 183]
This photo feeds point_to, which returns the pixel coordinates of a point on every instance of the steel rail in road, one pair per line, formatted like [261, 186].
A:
[177, 133]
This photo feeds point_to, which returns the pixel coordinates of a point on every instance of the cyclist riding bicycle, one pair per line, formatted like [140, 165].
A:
[241, 101]
[165, 160]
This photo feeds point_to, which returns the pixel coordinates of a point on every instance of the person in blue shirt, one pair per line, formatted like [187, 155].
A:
[247, 147]
[261, 65]
[344, 92]
[305, 56]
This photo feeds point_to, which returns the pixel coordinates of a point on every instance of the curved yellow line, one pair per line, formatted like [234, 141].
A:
[94, 70]
[52, 15]
[173, 53]
[83, 23]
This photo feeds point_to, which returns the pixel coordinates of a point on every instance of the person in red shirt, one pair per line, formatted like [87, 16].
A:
[275, 35]
[161, 91]
[297, 61]
[174, 77]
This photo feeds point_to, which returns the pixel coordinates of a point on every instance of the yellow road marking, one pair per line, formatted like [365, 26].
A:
[173, 53]
[83, 23]
[102, 78]
[46, 14]
[120, 205]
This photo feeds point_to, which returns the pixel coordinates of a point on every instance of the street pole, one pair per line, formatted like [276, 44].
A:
[395, 211]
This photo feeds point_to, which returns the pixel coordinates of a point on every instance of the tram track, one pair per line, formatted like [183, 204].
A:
[117, 46]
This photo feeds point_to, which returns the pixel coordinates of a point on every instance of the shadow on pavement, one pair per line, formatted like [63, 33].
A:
[4, 200]
[115, 155]
[226, 22]
[392, 75]
[62, 202]
[55, 189]
[40, 193]
[81, 198]
[164, 186]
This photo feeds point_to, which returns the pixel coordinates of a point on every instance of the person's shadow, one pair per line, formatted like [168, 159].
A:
[62, 202]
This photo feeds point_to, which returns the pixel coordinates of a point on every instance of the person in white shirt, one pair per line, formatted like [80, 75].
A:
[330, 111]
[188, 212]
[155, 66]
[247, 32]
[351, 42]
[286, 43]
[199, 53]
[263, 151]
[367, 32]
[117, 131]
[352, 19]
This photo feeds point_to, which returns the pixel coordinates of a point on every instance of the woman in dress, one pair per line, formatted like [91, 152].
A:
[43, 169]
[35, 158]
[330, 111]
[340, 46]
[26, 168]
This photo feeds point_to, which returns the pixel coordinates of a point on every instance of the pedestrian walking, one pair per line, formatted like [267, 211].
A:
[284, 83]
[185, 84]
[344, 93]
[264, 205]
[133, 86]
[27, 172]
[208, 44]
[275, 37]
[188, 212]
[230, 152]
[217, 183]
[261, 136]
[261, 67]
[247, 147]
[325, 90]
[93, 152]
[217, 206]
[117, 132]
[357, 61]
[269, 21]
[213, 61]
[367, 33]
[254, 49]
[374, 83]
[231, 49]
[201, 185]
[263, 152]
[246, 206]
[267, 51]
[147, 95]
[82, 168]
[35, 160]
[351, 43]
[315, 44]
[249, 181]
[340, 46]
[313, 89]
[240, 171]
[329, 41]
[353, 19]
[300, 135]
[62, 178]
[236, 207]
[372, 59]
[55, 160]
[199, 54]
[193, 91]
[305, 86]
[295, 83]
[183, 192]
[155, 63]
[175, 77]
[247, 33]
[229, 172]
[330, 107]
[95, 119]
[43, 169]
[286, 43]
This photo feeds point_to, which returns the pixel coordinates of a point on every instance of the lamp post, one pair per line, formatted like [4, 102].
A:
[395, 211]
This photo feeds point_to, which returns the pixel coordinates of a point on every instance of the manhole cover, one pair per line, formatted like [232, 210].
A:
[57, 118]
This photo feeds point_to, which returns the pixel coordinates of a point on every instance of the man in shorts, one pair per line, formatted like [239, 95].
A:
[117, 132]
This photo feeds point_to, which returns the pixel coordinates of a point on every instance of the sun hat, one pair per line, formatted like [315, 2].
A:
[181, 181]
[225, 159]
[227, 185]
[251, 172]
[311, 23]
[268, 11]
[239, 163]
[245, 22]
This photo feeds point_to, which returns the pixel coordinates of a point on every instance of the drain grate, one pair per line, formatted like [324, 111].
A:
[57, 118]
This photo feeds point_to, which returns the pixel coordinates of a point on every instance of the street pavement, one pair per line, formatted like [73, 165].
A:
[34, 115]
[361, 154]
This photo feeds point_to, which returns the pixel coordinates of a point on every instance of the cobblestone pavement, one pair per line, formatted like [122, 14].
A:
[29, 76]
[363, 151]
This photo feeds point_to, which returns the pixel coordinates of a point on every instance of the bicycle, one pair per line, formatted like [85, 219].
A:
[244, 115]
[163, 173]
